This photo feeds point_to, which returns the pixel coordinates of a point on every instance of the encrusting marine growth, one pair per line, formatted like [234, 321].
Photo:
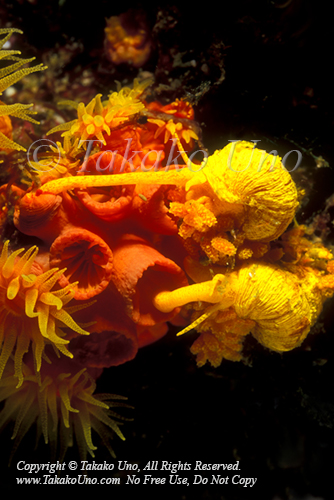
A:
[135, 240]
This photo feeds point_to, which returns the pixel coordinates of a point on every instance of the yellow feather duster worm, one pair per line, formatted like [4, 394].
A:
[9, 75]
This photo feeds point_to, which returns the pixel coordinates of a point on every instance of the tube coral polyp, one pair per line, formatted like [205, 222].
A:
[31, 312]
[87, 259]
[61, 402]
[97, 119]
[139, 271]
[127, 39]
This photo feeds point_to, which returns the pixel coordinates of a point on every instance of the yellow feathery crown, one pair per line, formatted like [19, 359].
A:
[8, 76]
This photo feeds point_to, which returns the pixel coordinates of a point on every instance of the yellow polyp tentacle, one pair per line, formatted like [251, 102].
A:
[192, 166]
[38, 349]
[27, 260]
[9, 265]
[22, 346]
[90, 130]
[87, 119]
[167, 135]
[23, 266]
[43, 413]
[106, 129]
[91, 105]
[3, 317]
[47, 381]
[44, 277]
[173, 177]
[13, 288]
[68, 321]
[4, 253]
[86, 427]
[81, 386]
[31, 297]
[58, 341]
[98, 121]
[63, 349]
[28, 280]
[99, 135]
[76, 377]
[198, 321]
[84, 396]
[100, 415]
[43, 317]
[67, 297]
[7, 349]
[209, 291]
[72, 309]
[50, 300]
[51, 333]
[63, 391]
[23, 411]
[81, 110]
[47, 285]
[65, 415]
[98, 104]
[63, 126]
[83, 138]
[52, 404]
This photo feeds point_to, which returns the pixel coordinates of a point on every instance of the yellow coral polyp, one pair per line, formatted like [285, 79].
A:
[125, 103]
[31, 312]
[98, 118]
[172, 129]
[63, 405]
[60, 161]
[89, 124]
[124, 45]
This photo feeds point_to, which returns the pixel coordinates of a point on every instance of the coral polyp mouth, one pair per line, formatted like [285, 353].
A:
[87, 259]
[109, 204]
